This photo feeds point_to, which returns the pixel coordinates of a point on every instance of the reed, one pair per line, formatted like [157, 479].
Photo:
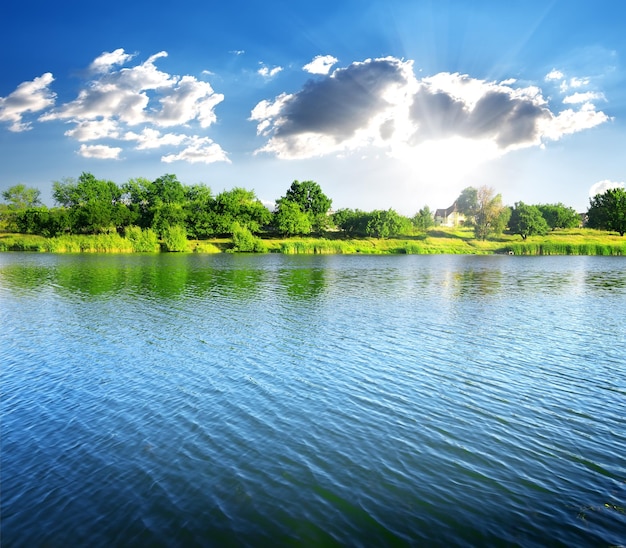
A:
[564, 248]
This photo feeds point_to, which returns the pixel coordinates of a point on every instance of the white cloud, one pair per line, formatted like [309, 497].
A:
[151, 138]
[578, 82]
[189, 99]
[92, 130]
[380, 103]
[321, 64]
[109, 59]
[578, 98]
[32, 96]
[554, 74]
[602, 186]
[201, 150]
[101, 152]
[572, 121]
[266, 72]
[118, 98]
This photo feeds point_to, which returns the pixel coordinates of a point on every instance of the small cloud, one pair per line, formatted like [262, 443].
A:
[32, 96]
[101, 152]
[554, 74]
[92, 130]
[602, 186]
[574, 82]
[237, 51]
[108, 60]
[266, 72]
[578, 82]
[321, 64]
[201, 150]
[151, 138]
[508, 82]
[579, 98]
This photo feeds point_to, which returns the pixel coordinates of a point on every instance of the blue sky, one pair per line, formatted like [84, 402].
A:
[390, 103]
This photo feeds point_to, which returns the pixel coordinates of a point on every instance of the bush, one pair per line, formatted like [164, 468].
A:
[175, 238]
[142, 241]
[245, 241]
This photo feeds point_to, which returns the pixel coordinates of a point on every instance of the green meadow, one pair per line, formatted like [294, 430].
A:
[438, 240]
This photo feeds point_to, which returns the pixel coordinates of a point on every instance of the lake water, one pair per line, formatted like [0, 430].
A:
[227, 400]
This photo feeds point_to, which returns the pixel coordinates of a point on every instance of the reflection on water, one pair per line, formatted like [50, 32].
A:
[189, 400]
[176, 274]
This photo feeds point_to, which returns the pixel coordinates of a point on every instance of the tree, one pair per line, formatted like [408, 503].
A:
[198, 207]
[526, 220]
[423, 219]
[290, 220]
[311, 200]
[22, 197]
[467, 202]
[559, 215]
[608, 211]
[95, 205]
[352, 221]
[242, 207]
[484, 211]
[384, 224]
[137, 195]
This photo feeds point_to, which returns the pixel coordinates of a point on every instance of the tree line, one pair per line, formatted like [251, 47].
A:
[165, 208]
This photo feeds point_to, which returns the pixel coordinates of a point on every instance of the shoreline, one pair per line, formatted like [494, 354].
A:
[439, 241]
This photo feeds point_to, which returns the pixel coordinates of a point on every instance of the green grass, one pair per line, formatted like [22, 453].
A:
[438, 240]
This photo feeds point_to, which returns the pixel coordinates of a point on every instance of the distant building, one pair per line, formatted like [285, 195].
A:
[449, 217]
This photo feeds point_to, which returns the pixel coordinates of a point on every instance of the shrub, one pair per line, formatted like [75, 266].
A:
[175, 238]
[142, 240]
[245, 241]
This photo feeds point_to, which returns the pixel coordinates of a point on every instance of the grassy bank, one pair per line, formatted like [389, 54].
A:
[436, 241]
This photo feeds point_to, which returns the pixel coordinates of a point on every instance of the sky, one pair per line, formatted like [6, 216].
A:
[385, 103]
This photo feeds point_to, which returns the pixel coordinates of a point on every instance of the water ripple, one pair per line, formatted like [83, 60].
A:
[188, 400]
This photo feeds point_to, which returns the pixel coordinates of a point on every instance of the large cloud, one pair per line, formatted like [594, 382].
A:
[33, 96]
[333, 113]
[140, 96]
[380, 102]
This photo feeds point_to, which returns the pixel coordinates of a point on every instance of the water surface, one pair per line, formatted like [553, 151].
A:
[189, 400]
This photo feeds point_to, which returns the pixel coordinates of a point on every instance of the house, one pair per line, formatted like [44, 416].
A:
[449, 217]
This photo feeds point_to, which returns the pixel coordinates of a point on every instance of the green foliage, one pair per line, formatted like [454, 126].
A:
[608, 211]
[527, 220]
[309, 196]
[564, 248]
[290, 220]
[95, 205]
[467, 202]
[242, 207]
[423, 219]
[175, 238]
[484, 210]
[22, 197]
[167, 189]
[312, 201]
[559, 216]
[352, 221]
[198, 208]
[245, 241]
[384, 224]
[142, 240]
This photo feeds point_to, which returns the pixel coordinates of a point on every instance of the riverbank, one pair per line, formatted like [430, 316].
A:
[438, 240]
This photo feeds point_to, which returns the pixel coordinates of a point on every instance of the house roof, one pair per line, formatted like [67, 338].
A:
[446, 212]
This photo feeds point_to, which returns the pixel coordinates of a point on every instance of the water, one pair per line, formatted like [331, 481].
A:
[187, 400]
